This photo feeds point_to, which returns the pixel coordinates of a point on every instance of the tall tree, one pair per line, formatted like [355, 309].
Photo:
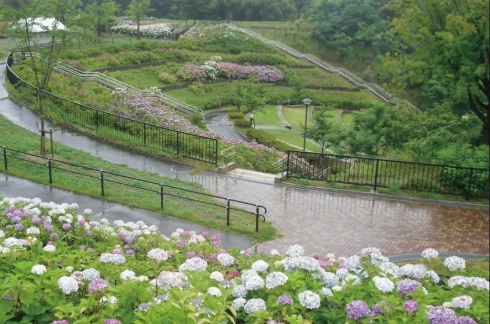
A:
[194, 9]
[138, 9]
[24, 25]
[354, 28]
[300, 6]
[449, 39]
[100, 13]
[232, 7]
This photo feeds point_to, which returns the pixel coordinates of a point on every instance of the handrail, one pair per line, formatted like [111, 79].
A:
[178, 29]
[103, 177]
[373, 88]
[231, 148]
[191, 29]
[114, 84]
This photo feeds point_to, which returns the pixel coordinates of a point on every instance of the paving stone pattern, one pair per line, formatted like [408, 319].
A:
[325, 222]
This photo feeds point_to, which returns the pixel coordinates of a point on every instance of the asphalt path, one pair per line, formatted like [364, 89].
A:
[218, 123]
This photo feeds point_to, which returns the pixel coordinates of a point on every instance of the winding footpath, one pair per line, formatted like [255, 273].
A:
[322, 221]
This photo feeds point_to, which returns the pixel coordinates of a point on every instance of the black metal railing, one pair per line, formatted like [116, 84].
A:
[103, 178]
[113, 126]
[381, 173]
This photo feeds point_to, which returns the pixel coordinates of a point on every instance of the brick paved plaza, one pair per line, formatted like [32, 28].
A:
[341, 223]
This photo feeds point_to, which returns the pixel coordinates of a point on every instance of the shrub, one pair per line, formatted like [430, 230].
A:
[235, 115]
[263, 137]
[166, 78]
[241, 123]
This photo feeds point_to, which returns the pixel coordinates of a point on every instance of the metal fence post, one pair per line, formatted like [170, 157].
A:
[257, 218]
[161, 196]
[97, 119]
[5, 157]
[178, 143]
[228, 212]
[50, 172]
[216, 143]
[468, 191]
[102, 182]
[144, 134]
[376, 176]
[287, 166]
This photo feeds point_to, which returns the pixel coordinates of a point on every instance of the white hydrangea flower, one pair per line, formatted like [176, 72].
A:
[238, 303]
[295, 250]
[112, 300]
[214, 291]
[194, 264]
[239, 291]
[434, 276]
[127, 275]
[454, 263]
[39, 269]
[292, 264]
[254, 305]
[69, 269]
[384, 284]
[275, 279]
[90, 274]
[430, 253]
[217, 276]
[463, 301]
[353, 262]
[87, 211]
[391, 269]
[33, 230]
[254, 283]
[112, 258]
[260, 266]
[248, 274]
[68, 285]
[49, 248]
[447, 305]
[2, 234]
[352, 279]
[225, 259]
[326, 291]
[342, 273]
[274, 252]
[157, 254]
[142, 278]
[309, 299]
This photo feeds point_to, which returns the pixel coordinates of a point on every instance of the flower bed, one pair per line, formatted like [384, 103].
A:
[58, 266]
[214, 68]
[151, 31]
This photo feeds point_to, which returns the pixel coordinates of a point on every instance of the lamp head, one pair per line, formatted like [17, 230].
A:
[307, 101]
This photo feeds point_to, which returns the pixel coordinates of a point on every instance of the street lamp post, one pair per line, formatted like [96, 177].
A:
[307, 102]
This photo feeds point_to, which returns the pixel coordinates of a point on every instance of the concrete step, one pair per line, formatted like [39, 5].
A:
[252, 175]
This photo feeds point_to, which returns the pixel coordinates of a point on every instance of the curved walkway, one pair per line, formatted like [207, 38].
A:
[322, 221]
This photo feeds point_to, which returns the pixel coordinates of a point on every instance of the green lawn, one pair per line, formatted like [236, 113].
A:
[140, 78]
[291, 137]
[6, 45]
[317, 77]
[295, 116]
[348, 119]
[267, 116]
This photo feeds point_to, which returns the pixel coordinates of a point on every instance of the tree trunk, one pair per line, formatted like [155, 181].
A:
[138, 36]
[43, 138]
[99, 27]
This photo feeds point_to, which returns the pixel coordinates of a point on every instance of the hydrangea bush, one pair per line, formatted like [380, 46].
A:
[97, 272]
[151, 31]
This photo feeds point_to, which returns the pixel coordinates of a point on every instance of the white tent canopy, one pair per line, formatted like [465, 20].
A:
[41, 25]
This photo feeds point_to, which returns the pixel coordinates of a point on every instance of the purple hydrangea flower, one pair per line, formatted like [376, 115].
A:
[60, 322]
[117, 251]
[66, 227]
[285, 300]
[98, 285]
[37, 220]
[112, 321]
[190, 255]
[54, 236]
[407, 286]
[379, 308]
[411, 306]
[88, 233]
[48, 227]
[90, 250]
[129, 252]
[466, 320]
[181, 245]
[357, 309]
[442, 315]
[18, 227]
[82, 247]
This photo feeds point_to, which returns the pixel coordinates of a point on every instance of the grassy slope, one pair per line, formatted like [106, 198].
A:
[205, 215]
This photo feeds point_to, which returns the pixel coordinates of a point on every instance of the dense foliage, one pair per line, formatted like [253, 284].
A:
[62, 266]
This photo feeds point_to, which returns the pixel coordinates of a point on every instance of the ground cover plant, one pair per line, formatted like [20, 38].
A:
[206, 215]
[72, 268]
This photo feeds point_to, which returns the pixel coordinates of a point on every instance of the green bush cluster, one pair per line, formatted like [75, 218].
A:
[235, 115]
[263, 137]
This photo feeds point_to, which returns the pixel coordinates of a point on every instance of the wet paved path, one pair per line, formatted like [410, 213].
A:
[322, 221]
